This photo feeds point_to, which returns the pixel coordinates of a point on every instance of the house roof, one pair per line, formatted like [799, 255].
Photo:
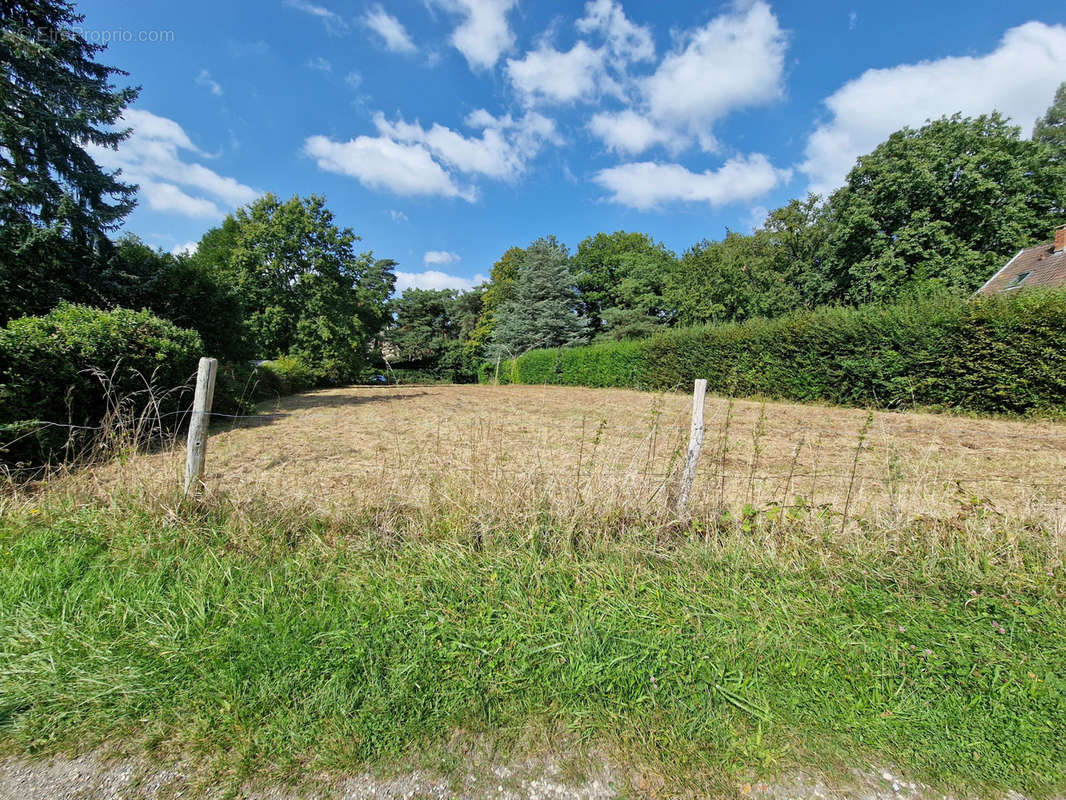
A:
[1046, 268]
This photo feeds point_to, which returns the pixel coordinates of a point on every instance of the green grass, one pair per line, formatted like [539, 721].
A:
[285, 645]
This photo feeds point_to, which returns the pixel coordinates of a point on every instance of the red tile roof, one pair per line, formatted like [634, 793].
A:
[1046, 268]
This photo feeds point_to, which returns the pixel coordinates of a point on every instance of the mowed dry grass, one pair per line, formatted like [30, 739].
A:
[481, 449]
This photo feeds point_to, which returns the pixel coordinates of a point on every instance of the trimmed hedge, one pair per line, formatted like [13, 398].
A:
[47, 374]
[988, 355]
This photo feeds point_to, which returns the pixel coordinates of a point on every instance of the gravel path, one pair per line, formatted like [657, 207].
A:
[93, 777]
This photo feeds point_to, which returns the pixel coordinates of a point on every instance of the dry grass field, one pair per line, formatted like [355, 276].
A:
[493, 452]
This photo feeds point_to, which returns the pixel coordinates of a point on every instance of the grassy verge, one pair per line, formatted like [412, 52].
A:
[288, 644]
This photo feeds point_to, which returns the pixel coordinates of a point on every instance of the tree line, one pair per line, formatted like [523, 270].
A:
[937, 209]
[934, 208]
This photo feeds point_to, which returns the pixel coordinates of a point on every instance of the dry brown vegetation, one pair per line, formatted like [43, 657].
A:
[491, 456]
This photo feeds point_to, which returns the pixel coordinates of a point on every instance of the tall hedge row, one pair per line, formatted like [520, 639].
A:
[989, 355]
[70, 365]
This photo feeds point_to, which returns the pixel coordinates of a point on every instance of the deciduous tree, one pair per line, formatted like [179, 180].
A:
[620, 278]
[178, 288]
[303, 288]
[1050, 129]
[732, 280]
[941, 205]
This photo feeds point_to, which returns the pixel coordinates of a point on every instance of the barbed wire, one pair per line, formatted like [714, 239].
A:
[590, 426]
[797, 477]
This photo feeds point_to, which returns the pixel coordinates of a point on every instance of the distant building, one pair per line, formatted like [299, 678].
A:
[1043, 266]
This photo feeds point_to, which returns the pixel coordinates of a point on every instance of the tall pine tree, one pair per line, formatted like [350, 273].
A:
[57, 205]
[543, 311]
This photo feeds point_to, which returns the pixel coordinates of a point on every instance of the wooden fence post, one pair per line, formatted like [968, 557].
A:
[198, 424]
[695, 444]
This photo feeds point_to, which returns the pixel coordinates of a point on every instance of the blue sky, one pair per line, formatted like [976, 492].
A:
[445, 131]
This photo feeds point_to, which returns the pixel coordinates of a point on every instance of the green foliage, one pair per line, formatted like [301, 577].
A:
[291, 375]
[731, 280]
[181, 289]
[240, 386]
[773, 271]
[1050, 129]
[498, 292]
[793, 243]
[228, 636]
[408, 375]
[72, 365]
[542, 311]
[303, 289]
[620, 280]
[56, 204]
[943, 205]
[430, 333]
[992, 355]
[374, 289]
[424, 324]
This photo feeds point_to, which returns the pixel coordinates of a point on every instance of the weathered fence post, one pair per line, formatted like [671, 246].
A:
[695, 444]
[201, 418]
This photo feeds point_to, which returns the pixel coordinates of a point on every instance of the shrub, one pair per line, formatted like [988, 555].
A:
[73, 365]
[241, 385]
[292, 374]
[988, 355]
[404, 375]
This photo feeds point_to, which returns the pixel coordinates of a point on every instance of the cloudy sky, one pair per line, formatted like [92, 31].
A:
[445, 131]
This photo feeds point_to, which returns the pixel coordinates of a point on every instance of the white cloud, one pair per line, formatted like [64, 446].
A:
[629, 133]
[484, 34]
[354, 80]
[390, 29]
[152, 157]
[204, 79]
[734, 61]
[383, 164]
[397, 216]
[547, 73]
[319, 63]
[148, 126]
[646, 185]
[433, 279]
[186, 249]
[407, 159]
[585, 71]
[334, 22]
[166, 197]
[440, 257]
[502, 151]
[1018, 78]
[626, 41]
